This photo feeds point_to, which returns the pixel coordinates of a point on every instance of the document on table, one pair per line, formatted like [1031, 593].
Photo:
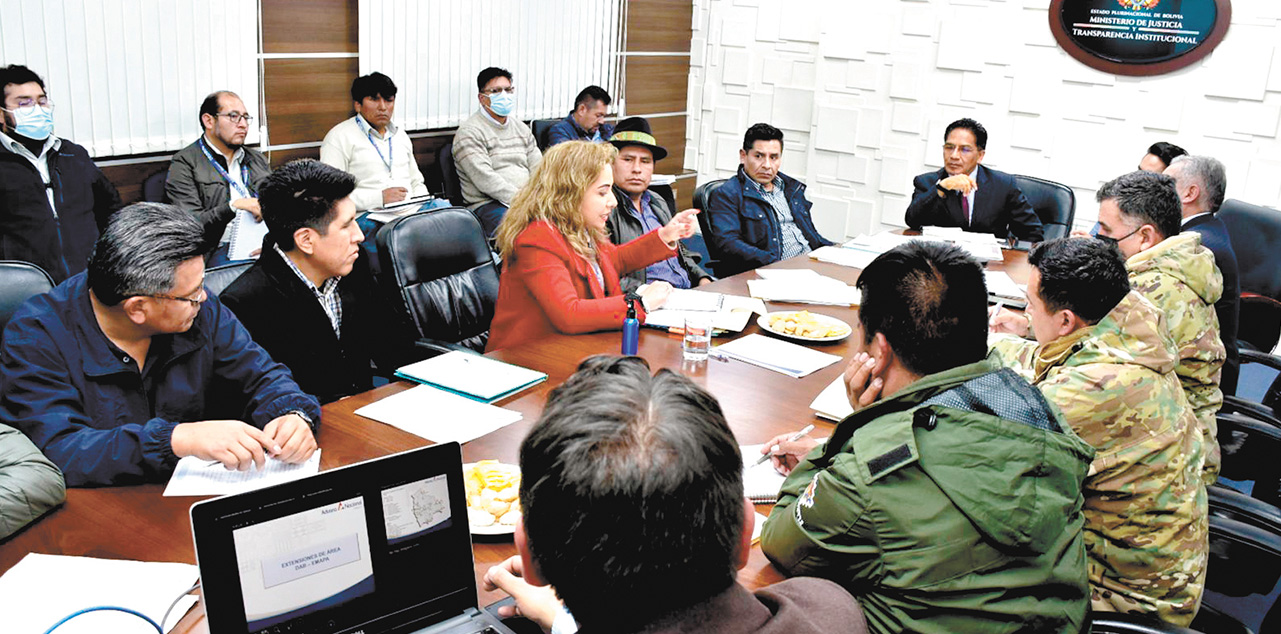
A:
[854, 258]
[819, 290]
[438, 415]
[773, 354]
[1000, 284]
[41, 589]
[735, 312]
[758, 527]
[472, 375]
[833, 403]
[689, 299]
[197, 476]
[983, 246]
[247, 233]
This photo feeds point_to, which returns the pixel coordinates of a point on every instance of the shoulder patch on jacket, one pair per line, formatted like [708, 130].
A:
[1003, 394]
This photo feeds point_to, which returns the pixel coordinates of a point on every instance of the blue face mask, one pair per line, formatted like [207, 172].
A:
[33, 122]
[502, 103]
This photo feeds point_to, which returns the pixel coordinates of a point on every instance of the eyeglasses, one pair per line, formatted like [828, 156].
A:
[201, 296]
[511, 90]
[28, 102]
[966, 150]
[236, 117]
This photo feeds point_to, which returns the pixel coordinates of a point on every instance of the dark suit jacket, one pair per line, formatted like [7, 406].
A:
[1214, 236]
[999, 206]
[283, 316]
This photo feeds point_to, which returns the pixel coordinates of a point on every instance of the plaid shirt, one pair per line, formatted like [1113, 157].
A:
[327, 294]
[794, 242]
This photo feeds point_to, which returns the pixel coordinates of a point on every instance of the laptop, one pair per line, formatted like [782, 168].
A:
[376, 547]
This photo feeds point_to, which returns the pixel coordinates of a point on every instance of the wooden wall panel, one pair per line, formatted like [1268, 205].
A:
[309, 26]
[128, 178]
[670, 133]
[659, 26]
[684, 190]
[656, 84]
[306, 97]
[280, 157]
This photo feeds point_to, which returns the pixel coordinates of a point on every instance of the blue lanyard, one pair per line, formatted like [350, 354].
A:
[369, 134]
[244, 172]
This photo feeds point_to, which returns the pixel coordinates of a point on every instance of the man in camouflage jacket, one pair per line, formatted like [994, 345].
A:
[1105, 360]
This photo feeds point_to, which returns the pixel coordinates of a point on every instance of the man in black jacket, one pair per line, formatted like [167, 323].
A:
[53, 199]
[640, 212]
[309, 299]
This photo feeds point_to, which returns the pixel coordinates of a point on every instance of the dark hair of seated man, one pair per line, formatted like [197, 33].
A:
[300, 194]
[373, 85]
[1086, 276]
[1149, 198]
[761, 132]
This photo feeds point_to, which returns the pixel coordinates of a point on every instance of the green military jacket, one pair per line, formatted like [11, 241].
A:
[1180, 277]
[952, 506]
[1146, 530]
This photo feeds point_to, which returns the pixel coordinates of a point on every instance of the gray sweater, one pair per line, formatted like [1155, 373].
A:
[493, 161]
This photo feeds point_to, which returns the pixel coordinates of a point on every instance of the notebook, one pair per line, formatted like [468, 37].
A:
[375, 547]
[471, 375]
[761, 482]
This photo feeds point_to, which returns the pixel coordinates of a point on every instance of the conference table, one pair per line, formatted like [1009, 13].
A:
[138, 523]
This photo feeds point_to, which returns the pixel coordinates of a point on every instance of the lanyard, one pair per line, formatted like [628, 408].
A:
[244, 172]
[369, 134]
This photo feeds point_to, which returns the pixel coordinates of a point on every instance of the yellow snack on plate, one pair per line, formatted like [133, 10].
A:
[492, 491]
[805, 324]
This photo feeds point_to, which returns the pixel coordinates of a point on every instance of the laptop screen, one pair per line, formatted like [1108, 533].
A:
[379, 546]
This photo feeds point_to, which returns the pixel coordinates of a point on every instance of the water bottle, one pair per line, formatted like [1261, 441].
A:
[631, 327]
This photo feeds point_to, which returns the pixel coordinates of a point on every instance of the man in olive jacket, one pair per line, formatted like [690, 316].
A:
[950, 501]
[29, 483]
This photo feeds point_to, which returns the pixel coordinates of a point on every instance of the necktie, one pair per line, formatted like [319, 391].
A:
[965, 208]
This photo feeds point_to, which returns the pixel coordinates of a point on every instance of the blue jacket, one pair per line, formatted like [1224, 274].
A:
[84, 403]
[745, 233]
[568, 130]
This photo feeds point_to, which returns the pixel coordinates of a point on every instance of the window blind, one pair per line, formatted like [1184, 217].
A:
[434, 50]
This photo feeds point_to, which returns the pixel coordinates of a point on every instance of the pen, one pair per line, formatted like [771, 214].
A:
[793, 438]
[996, 310]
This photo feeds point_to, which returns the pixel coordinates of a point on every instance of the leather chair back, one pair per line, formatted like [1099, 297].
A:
[219, 278]
[701, 194]
[542, 129]
[449, 174]
[1242, 575]
[438, 273]
[1054, 203]
[1255, 232]
[153, 188]
[1125, 623]
[19, 281]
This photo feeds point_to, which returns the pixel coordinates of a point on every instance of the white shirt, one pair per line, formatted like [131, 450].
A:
[40, 162]
[235, 174]
[974, 174]
[348, 147]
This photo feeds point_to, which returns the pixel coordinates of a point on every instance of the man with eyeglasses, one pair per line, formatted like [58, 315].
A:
[495, 152]
[53, 198]
[216, 178]
[121, 370]
[967, 194]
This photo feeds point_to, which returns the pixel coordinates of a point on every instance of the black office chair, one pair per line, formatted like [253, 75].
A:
[218, 278]
[449, 174]
[153, 188]
[701, 194]
[1054, 203]
[541, 128]
[1250, 447]
[1263, 366]
[19, 281]
[1118, 623]
[1242, 576]
[439, 276]
[1255, 233]
[1235, 505]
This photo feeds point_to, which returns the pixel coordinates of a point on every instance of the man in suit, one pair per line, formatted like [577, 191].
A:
[310, 300]
[1201, 181]
[969, 195]
[640, 212]
[217, 176]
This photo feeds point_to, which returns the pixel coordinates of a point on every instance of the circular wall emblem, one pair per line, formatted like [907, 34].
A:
[1139, 37]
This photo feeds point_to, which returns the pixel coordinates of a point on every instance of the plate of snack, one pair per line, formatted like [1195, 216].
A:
[802, 325]
[493, 497]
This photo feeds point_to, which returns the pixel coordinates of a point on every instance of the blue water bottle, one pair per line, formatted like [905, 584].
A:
[631, 326]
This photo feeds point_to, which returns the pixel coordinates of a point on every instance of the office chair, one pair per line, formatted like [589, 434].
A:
[153, 188]
[449, 174]
[1054, 203]
[1249, 447]
[19, 281]
[541, 128]
[701, 194]
[1260, 383]
[1120, 623]
[440, 278]
[1235, 505]
[219, 278]
[1255, 231]
[1242, 576]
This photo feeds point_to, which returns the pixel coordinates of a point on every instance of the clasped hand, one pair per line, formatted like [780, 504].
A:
[239, 446]
[959, 183]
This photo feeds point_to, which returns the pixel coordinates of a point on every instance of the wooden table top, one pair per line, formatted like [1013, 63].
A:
[137, 522]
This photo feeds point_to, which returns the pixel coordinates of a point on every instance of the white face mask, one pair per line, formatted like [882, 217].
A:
[502, 103]
[34, 121]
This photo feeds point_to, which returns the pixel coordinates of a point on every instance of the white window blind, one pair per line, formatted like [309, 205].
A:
[434, 50]
[128, 76]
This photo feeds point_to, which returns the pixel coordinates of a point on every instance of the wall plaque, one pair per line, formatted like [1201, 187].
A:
[1139, 37]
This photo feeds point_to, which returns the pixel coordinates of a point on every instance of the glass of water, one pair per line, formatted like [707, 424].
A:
[698, 336]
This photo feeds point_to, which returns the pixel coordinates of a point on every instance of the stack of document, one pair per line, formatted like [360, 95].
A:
[802, 286]
[833, 403]
[983, 246]
[689, 299]
[438, 415]
[471, 375]
[854, 258]
[1001, 287]
[733, 315]
[197, 476]
[393, 211]
[779, 356]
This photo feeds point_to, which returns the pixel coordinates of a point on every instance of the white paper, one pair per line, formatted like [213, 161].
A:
[821, 290]
[1000, 284]
[197, 476]
[41, 589]
[758, 527]
[833, 403]
[472, 374]
[854, 258]
[736, 311]
[692, 300]
[788, 274]
[779, 356]
[246, 236]
[760, 481]
[438, 415]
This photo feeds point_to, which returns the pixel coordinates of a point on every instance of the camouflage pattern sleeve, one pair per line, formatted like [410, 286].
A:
[1013, 352]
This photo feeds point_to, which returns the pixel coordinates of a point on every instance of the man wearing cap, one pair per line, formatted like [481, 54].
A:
[639, 211]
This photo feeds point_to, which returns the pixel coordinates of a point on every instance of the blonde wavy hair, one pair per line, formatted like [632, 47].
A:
[553, 194]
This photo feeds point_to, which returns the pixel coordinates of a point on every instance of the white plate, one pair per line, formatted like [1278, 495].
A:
[495, 528]
[763, 322]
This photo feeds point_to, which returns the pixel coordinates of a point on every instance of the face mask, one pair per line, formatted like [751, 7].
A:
[33, 122]
[502, 103]
[1115, 242]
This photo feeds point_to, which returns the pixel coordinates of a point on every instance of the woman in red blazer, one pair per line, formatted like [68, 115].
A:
[560, 271]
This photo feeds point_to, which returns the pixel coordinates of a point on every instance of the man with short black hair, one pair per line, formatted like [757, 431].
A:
[967, 194]
[374, 149]
[217, 177]
[1201, 182]
[1160, 156]
[1103, 357]
[633, 510]
[761, 215]
[310, 300]
[587, 121]
[494, 150]
[53, 198]
[904, 504]
[120, 371]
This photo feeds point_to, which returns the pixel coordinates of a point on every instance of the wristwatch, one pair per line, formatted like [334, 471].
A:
[303, 415]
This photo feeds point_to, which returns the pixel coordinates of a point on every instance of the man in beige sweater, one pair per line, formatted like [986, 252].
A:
[494, 151]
